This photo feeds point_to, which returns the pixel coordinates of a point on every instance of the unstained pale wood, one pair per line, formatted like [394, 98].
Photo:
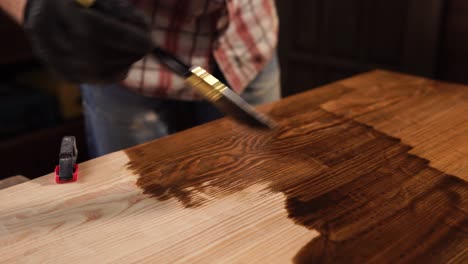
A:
[368, 169]
[12, 181]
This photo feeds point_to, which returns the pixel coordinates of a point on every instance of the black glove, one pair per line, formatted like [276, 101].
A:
[96, 44]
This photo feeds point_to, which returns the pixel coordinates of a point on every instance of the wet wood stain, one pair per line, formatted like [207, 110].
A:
[363, 192]
[371, 200]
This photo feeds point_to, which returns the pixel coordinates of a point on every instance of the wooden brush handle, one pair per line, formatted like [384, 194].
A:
[86, 3]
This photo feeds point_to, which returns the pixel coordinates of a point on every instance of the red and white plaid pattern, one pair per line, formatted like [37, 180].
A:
[241, 35]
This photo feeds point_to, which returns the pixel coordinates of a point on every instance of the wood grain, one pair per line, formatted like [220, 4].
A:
[369, 169]
[354, 185]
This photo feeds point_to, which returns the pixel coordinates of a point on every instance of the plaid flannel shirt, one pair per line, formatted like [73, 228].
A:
[240, 36]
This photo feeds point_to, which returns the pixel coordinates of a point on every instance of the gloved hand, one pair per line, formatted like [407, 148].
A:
[96, 44]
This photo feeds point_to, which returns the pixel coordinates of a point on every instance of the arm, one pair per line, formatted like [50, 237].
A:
[14, 8]
[86, 45]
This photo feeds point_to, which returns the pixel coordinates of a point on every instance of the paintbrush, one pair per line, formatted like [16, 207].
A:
[215, 91]
[221, 96]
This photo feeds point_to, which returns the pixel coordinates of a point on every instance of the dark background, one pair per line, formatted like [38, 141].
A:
[320, 41]
[326, 40]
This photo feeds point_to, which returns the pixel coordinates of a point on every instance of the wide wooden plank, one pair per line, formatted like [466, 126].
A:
[428, 115]
[369, 169]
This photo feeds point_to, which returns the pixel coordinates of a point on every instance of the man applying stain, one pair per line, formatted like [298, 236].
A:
[128, 97]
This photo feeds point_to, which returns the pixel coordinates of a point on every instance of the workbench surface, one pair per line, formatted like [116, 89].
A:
[368, 169]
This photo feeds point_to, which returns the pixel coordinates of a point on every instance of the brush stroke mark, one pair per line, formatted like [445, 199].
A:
[369, 198]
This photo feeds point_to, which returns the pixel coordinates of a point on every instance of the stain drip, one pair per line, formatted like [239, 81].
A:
[369, 198]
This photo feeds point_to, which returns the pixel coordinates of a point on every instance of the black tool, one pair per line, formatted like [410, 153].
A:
[215, 91]
[67, 170]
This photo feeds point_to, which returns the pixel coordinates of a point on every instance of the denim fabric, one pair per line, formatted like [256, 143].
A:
[116, 118]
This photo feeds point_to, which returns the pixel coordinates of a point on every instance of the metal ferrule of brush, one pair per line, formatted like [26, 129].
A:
[206, 84]
[225, 99]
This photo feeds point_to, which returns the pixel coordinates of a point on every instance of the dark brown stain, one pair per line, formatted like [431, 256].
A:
[369, 198]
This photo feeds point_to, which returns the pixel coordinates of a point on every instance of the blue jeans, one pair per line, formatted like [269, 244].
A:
[117, 118]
